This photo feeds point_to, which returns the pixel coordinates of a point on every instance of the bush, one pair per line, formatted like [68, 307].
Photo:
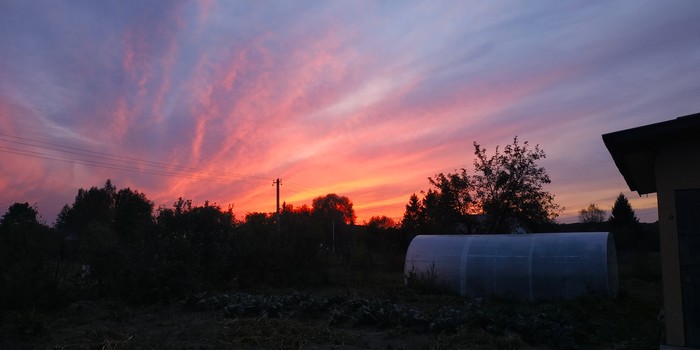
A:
[423, 282]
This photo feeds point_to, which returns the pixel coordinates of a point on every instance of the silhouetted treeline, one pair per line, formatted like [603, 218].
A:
[630, 235]
[113, 243]
[637, 243]
[30, 260]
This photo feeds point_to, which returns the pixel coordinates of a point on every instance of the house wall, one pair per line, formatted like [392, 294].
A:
[677, 167]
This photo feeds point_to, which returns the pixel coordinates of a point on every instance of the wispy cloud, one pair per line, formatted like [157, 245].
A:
[362, 99]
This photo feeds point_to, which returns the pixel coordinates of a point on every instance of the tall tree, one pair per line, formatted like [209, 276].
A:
[90, 220]
[509, 185]
[454, 193]
[591, 215]
[334, 214]
[29, 259]
[622, 214]
[449, 203]
[195, 243]
[382, 235]
[334, 207]
[19, 215]
[133, 215]
[412, 216]
[92, 210]
[19, 228]
[382, 223]
[109, 229]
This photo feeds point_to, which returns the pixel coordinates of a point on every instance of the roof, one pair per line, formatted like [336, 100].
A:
[634, 150]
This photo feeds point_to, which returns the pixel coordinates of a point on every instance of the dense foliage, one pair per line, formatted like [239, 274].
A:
[113, 243]
[622, 214]
[591, 215]
[30, 260]
[505, 194]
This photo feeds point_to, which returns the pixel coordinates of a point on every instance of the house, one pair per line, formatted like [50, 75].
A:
[664, 158]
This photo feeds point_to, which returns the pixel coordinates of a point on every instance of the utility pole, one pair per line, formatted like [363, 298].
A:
[277, 182]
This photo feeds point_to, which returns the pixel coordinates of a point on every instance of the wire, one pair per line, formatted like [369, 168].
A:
[113, 157]
[116, 162]
[107, 165]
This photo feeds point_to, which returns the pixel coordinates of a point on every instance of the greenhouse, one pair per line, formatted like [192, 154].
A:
[523, 266]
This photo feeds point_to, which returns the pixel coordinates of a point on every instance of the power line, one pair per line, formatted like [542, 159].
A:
[114, 157]
[40, 155]
[115, 162]
[40, 149]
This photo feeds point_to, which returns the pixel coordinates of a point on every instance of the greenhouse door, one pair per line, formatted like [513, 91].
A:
[688, 220]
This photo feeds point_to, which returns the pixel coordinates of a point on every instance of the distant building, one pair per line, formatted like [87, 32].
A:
[665, 158]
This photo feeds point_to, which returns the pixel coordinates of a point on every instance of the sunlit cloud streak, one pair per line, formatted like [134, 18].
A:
[362, 99]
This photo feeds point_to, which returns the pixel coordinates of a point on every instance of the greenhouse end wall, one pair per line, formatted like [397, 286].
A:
[524, 266]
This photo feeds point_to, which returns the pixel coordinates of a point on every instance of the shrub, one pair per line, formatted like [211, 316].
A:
[423, 282]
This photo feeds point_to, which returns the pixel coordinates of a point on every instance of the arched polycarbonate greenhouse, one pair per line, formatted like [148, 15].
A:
[524, 266]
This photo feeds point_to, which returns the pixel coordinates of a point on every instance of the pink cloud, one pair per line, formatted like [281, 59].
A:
[234, 69]
[379, 170]
[120, 121]
[136, 58]
[331, 98]
[165, 87]
[249, 148]
[205, 9]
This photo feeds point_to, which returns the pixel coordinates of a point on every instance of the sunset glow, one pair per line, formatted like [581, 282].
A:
[213, 100]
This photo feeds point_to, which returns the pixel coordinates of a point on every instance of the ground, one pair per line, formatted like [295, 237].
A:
[388, 317]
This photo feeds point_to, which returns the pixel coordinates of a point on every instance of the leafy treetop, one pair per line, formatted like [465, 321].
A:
[591, 214]
[507, 187]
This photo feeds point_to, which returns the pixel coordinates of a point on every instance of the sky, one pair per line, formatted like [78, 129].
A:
[213, 100]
